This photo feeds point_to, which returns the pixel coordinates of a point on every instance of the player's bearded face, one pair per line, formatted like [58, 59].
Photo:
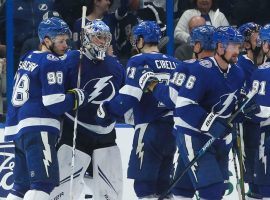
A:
[60, 44]
[232, 52]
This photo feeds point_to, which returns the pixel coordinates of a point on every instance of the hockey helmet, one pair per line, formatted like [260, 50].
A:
[248, 28]
[204, 35]
[227, 34]
[96, 39]
[52, 27]
[148, 30]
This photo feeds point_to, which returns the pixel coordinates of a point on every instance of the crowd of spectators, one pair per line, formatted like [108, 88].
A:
[121, 16]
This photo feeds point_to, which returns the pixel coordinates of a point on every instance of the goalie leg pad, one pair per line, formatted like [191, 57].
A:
[82, 161]
[36, 194]
[107, 173]
[13, 197]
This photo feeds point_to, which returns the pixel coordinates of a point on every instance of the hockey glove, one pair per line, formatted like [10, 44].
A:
[80, 96]
[103, 117]
[220, 128]
[141, 78]
[249, 112]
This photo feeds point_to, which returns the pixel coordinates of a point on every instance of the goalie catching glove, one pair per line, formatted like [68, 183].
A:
[141, 77]
[80, 97]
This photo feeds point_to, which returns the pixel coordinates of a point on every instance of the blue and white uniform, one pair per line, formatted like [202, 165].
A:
[150, 162]
[33, 119]
[206, 89]
[261, 84]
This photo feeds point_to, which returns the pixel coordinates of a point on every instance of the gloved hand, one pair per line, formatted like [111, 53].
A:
[80, 96]
[141, 77]
[220, 128]
[249, 112]
[103, 117]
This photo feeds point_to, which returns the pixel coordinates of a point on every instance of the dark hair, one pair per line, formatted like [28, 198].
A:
[90, 5]
[213, 7]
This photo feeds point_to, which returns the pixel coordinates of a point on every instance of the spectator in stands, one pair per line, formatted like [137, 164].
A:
[185, 50]
[34, 43]
[98, 9]
[244, 11]
[27, 15]
[204, 8]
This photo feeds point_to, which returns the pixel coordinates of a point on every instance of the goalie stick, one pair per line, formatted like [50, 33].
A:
[84, 8]
[206, 125]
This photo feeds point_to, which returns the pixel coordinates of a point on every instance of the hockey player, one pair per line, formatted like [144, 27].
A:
[151, 162]
[251, 131]
[201, 40]
[261, 83]
[212, 87]
[33, 121]
[101, 76]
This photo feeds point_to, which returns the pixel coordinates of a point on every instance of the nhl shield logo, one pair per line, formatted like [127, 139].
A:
[6, 168]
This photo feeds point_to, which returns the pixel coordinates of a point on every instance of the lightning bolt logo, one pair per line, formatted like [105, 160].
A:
[139, 150]
[101, 83]
[190, 152]
[226, 103]
[47, 152]
[262, 155]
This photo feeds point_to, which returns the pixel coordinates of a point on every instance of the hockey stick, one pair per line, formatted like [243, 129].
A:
[84, 8]
[208, 144]
[240, 159]
[238, 187]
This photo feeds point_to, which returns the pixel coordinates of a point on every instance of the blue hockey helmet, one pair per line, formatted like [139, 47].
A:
[149, 30]
[264, 33]
[204, 35]
[227, 34]
[248, 28]
[96, 39]
[52, 27]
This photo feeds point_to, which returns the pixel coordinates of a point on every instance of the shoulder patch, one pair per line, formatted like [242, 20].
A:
[190, 61]
[264, 65]
[206, 63]
[52, 57]
[63, 57]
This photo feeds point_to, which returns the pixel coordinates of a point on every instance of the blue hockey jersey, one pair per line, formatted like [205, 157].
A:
[168, 94]
[145, 107]
[102, 80]
[248, 67]
[38, 98]
[207, 89]
[261, 84]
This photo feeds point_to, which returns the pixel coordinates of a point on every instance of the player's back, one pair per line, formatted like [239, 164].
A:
[38, 83]
[149, 109]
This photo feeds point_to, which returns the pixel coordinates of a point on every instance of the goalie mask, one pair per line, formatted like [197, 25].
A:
[96, 39]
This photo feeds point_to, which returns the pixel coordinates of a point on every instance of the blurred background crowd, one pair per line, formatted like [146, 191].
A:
[121, 16]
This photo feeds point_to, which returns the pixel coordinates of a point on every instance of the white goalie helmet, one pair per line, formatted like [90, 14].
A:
[96, 39]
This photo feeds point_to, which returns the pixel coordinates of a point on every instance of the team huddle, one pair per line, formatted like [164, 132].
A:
[175, 106]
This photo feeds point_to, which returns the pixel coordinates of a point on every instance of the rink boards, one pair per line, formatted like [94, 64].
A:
[124, 141]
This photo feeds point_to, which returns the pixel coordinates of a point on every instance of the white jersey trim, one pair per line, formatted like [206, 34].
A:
[33, 121]
[179, 122]
[173, 94]
[131, 91]
[182, 101]
[94, 128]
[53, 99]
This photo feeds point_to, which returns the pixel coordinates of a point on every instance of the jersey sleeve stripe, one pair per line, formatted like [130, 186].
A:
[182, 101]
[53, 99]
[179, 122]
[131, 91]
[173, 94]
